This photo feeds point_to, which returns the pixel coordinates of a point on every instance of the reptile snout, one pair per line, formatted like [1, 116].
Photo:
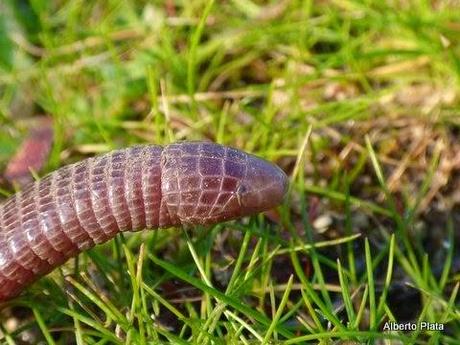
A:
[263, 187]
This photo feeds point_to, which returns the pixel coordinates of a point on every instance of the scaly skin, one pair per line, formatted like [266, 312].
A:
[143, 187]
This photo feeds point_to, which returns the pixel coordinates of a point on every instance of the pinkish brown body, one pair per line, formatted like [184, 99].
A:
[89, 202]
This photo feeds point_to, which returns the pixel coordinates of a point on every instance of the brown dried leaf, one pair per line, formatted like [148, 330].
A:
[32, 154]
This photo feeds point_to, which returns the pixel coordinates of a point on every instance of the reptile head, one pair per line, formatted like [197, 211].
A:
[206, 183]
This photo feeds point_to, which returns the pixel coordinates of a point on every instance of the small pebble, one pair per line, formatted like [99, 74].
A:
[322, 223]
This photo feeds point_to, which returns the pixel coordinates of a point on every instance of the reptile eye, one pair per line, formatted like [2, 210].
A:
[241, 189]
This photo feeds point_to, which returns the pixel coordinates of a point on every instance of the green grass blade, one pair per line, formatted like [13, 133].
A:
[235, 303]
